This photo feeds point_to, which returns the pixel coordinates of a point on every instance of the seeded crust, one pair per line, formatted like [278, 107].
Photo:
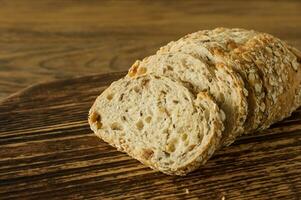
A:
[280, 72]
[198, 76]
[157, 121]
[220, 46]
[297, 94]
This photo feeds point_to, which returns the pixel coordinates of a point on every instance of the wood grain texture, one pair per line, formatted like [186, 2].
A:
[47, 151]
[50, 39]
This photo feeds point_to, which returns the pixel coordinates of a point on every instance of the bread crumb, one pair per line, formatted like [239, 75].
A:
[186, 191]
[223, 198]
[133, 70]
[141, 70]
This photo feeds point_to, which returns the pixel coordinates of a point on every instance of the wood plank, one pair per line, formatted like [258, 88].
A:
[47, 151]
[50, 39]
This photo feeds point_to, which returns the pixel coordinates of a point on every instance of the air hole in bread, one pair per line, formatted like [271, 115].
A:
[110, 97]
[148, 119]
[166, 154]
[207, 114]
[175, 101]
[191, 147]
[184, 137]
[96, 119]
[166, 131]
[222, 98]
[139, 125]
[170, 148]
[116, 126]
[98, 125]
[141, 114]
[123, 118]
[163, 92]
[121, 97]
[168, 67]
[145, 82]
[137, 89]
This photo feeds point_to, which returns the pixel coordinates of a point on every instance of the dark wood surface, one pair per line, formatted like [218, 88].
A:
[53, 39]
[47, 151]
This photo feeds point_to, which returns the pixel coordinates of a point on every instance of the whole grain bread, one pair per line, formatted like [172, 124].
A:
[168, 111]
[159, 122]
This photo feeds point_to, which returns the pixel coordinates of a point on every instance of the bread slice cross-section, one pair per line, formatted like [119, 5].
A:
[159, 122]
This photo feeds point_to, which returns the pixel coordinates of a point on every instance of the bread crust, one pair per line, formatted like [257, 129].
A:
[280, 72]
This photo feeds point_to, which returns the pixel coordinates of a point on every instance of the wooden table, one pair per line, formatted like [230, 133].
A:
[46, 40]
[47, 150]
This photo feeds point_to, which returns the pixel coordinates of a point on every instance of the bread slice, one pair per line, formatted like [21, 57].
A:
[159, 122]
[218, 47]
[224, 85]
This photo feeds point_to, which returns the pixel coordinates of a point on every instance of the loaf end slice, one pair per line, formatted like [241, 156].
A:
[159, 122]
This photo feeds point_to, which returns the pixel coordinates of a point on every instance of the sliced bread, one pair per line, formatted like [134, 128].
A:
[218, 47]
[224, 85]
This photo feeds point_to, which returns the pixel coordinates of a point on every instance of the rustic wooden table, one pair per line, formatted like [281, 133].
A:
[46, 40]
[47, 150]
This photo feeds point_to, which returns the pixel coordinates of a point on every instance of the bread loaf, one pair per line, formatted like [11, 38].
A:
[174, 109]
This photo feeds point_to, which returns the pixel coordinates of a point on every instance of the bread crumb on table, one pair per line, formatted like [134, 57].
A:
[186, 191]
